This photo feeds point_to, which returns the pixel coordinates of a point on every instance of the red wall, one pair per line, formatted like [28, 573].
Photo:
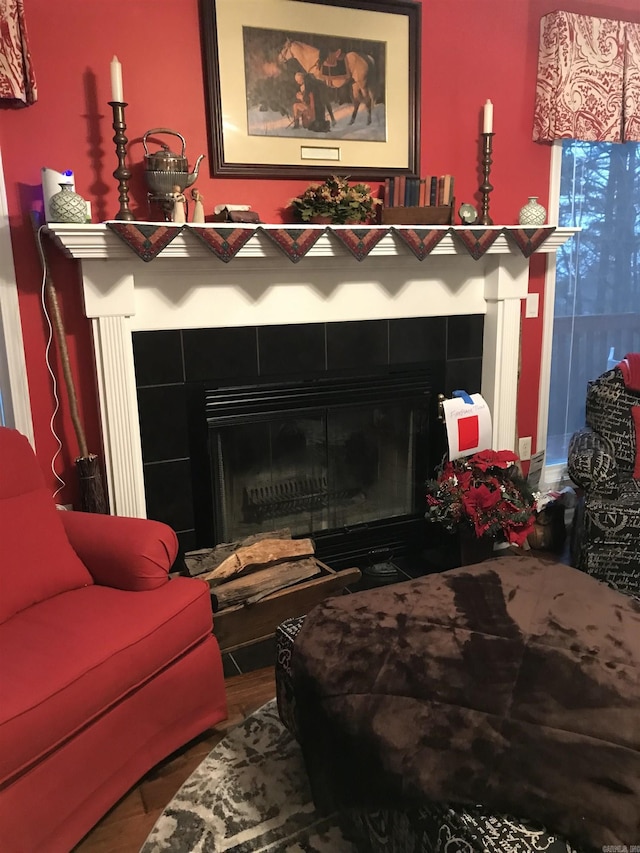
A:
[472, 50]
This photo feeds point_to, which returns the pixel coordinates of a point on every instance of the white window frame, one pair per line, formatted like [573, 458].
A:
[13, 370]
[555, 476]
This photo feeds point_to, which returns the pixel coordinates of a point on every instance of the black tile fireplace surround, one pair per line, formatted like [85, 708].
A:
[175, 367]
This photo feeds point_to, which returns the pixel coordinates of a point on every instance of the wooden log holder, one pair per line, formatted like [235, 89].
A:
[242, 625]
[272, 577]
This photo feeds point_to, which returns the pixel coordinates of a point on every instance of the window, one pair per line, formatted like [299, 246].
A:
[597, 291]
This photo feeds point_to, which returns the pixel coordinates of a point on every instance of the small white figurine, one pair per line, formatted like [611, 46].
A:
[198, 206]
[179, 205]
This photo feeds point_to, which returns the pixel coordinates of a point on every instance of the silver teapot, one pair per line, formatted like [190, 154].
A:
[165, 169]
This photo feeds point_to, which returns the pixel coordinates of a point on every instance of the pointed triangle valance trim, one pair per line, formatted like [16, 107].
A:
[477, 240]
[294, 242]
[529, 240]
[225, 243]
[360, 241]
[421, 241]
[148, 239]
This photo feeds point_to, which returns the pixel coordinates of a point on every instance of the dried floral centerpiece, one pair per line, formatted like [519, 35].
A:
[336, 201]
[485, 493]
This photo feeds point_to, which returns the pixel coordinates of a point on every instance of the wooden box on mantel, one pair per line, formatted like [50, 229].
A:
[242, 625]
[432, 215]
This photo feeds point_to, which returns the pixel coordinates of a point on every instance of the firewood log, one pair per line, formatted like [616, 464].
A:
[249, 589]
[267, 552]
[208, 559]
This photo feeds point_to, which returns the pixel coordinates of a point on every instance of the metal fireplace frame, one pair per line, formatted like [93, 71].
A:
[262, 402]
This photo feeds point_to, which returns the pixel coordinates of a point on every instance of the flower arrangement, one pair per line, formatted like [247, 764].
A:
[486, 492]
[336, 201]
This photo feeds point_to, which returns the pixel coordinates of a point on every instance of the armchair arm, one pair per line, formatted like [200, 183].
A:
[592, 463]
[125, 553]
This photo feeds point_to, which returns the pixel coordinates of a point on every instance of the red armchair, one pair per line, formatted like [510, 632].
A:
[106, 665]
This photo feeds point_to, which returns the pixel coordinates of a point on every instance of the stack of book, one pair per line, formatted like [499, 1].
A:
[430, 191]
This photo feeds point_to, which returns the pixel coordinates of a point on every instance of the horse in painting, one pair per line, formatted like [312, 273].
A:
[358, 70]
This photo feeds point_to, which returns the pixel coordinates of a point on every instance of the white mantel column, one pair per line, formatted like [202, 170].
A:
[119, 416]
[506, 284]
[109, 301]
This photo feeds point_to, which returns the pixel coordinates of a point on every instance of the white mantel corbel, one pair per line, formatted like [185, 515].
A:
[186, 286]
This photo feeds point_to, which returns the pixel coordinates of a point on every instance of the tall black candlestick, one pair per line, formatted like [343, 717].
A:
[486, 186]
[121, 173]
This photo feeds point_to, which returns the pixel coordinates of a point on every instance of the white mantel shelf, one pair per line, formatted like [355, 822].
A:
[187, 287]
[100, 242]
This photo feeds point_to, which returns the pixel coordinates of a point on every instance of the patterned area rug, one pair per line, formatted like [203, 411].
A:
[250, 795]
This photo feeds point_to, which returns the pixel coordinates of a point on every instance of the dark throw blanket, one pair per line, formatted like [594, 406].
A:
[513, 684]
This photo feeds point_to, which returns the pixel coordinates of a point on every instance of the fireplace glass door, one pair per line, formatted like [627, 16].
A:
[318, 470]
[282, 460]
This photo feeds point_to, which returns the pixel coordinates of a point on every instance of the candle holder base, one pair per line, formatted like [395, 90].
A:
[122, 173]
[486, 186]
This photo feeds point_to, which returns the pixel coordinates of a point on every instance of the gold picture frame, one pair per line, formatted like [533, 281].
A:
[304, 88]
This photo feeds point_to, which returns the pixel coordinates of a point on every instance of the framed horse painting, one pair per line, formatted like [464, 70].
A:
[300, 88]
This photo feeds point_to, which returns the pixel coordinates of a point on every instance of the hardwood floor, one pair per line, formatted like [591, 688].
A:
[126, 826]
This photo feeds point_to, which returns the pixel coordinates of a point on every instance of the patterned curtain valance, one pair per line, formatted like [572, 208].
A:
[17, 79]
[588, 84]
[631, 85]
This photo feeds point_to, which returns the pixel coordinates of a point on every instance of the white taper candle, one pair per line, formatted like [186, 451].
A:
[488, 118]
[116, 81]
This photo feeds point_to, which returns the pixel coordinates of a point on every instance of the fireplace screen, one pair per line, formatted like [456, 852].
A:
[314, 468]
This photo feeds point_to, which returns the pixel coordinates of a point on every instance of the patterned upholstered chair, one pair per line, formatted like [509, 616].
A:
[604, 460]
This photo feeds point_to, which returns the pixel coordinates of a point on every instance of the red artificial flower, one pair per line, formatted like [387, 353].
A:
[517, 535]
[448, 471]
[465, 480]
[479, 499]
[480, 491]
[485, 459]
[481, 527]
